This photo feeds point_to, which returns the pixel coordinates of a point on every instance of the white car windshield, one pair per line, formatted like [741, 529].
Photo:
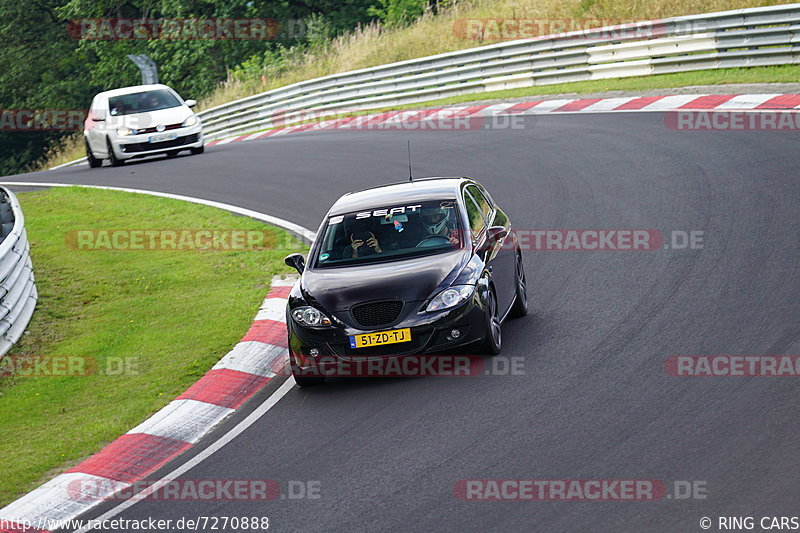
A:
[388, 233]
[143, 102]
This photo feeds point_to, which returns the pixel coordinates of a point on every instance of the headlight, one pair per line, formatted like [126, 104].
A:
[124, 132]
[451, 297]
[310, 316]
[191, 121]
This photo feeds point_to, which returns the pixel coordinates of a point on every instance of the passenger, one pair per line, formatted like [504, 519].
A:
[364, 243]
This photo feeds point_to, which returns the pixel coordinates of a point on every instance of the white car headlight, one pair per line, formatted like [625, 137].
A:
[310, 316]
[191, 121]
[451, 297]
[124, 132]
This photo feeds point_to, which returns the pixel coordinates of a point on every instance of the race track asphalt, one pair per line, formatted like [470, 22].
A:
[595, 401]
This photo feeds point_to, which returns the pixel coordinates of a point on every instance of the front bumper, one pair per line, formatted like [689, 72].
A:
[131, 146]
[430, 334]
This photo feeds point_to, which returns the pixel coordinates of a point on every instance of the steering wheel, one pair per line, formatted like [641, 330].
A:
[433, 240]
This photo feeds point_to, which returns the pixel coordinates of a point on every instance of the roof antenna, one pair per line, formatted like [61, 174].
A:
[410, 175]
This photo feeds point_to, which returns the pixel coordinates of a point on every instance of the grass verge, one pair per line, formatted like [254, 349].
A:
[171, 313]
[436, 32]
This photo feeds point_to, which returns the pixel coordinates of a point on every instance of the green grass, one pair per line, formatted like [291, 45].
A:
[174, 312]
[435, 32]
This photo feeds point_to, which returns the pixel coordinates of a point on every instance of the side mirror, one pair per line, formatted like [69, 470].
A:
[296, 261]
[496, 233]
[190, 103]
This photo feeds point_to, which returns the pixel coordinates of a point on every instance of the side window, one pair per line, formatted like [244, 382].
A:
[97, 107]
[500, 219]
[483, 203]
[476, 220]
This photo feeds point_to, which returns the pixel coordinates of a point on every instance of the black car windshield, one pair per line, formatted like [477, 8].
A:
[144, 102]
[389, 233]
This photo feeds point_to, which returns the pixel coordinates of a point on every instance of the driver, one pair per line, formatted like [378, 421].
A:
[152, 101]
[435, 221]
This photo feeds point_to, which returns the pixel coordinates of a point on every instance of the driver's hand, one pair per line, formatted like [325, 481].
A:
[356, 245]
[373, 243]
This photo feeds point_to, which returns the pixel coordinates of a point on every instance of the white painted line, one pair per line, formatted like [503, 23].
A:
[185, 420]
[70, 163]
[285, 224]
[273, 309]
[202, 456]
[745, 101]
[61, 498]
[252, 357]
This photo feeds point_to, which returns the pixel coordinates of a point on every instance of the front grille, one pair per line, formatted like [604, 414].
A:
[146, 147]
[377, 313]
[153, 129]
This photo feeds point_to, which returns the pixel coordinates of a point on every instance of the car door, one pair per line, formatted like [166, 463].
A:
[498, 246]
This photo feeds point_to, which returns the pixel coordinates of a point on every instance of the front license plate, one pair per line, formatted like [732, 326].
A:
[162, 137]
[380, 337]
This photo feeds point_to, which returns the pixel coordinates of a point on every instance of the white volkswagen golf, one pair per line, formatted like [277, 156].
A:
[140, 121]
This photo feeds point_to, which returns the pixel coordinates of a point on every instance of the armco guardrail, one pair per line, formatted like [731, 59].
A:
[17, 289]
[739, 38]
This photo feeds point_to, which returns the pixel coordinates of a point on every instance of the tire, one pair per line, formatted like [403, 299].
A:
[198, 151]
[112, 157]
[304, 380]
[493, 341]
[93, 161]
[520, 307]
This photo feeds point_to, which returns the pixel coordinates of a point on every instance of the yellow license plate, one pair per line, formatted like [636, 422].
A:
[380, 337]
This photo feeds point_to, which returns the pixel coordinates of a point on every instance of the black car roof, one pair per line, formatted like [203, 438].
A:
[419, 190]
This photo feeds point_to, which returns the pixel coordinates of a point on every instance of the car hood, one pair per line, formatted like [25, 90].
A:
[411, 280]
[172, 115]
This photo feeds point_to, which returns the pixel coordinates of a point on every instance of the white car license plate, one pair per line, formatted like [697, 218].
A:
[162, 137]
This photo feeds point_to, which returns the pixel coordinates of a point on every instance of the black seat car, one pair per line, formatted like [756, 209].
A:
[403, 269]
